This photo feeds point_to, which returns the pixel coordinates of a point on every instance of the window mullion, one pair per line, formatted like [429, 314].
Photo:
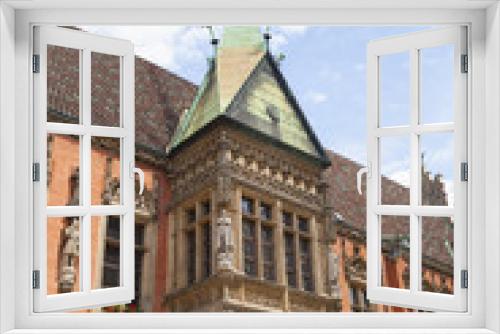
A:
[414, 172]
[85, 174]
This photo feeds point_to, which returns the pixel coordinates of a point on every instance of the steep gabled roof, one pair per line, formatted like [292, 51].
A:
[160, 97]
[244, 85]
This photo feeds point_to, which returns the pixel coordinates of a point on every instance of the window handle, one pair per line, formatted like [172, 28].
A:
[134, 170]
[361, 171]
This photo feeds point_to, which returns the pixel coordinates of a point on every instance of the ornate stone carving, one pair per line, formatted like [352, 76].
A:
[333, 269]
[223, 190]
[70, 250]
[225, 246]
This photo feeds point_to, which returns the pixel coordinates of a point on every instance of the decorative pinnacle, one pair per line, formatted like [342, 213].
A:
[213, 40]
[267, 37]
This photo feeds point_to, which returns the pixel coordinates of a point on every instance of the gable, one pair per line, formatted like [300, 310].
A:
[264, 97]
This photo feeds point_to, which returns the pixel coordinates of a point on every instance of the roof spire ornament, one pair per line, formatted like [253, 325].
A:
[213, 40]
[267, 37]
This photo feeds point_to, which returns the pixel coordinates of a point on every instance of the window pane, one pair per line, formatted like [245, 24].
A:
[105, 169]
[249, 247]
[191, 256]
[291, 270]
[63, 85]
[63, 255]
[207, 250]
[394, 89]
[205, 208]
[287, 219]
[191, 215]
[303, 224]
[63, 170]
[306, 264]
[436, 84]
[437, 254]
[437, 168]
[395, 170]
[265, 211]
[105, 251]
[267, 244]
[395, 243]
[247, 206]
[105, 100]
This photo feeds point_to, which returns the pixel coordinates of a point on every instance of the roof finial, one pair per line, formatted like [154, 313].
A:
[213, 40]
[267, 37]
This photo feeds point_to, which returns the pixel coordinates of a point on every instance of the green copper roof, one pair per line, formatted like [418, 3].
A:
[244, 83]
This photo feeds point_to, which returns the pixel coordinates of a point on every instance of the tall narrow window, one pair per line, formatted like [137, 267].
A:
[249, 247]
[191, 256]
[111, 265]
[207, 250]
[139, 261]
[267, 244]
[306, 264]
[291, 270]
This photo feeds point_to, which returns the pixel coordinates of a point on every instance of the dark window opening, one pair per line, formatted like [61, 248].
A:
[205, 208]
[191, 215]
[287, 219]
[291, 271]
[249, 247]
[265, 211]
[267, 244]
[306, 264]
[207, 250]
[191, 256]
[303, 224]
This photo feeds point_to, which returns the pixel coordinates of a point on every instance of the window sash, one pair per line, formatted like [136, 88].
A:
[414, 297]
[86, 44]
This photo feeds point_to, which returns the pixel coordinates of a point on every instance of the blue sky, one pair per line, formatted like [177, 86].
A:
[326, 68]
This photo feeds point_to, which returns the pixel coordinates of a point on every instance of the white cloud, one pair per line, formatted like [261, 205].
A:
[170, 47]
[355, 151]
[182, 48]
[316, 97]
[280, 35]
[401, 177]
[278, 40]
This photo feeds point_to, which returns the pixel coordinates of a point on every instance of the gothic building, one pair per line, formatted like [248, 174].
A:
[250, 226]
[244, 212]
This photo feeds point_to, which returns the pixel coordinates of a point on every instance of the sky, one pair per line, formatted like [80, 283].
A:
[325, 66]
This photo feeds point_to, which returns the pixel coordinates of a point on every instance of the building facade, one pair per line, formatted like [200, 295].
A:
[245, 211]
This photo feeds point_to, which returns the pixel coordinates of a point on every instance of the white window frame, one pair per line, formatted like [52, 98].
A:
[16, 213]
[412, 44]
[86, 44]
